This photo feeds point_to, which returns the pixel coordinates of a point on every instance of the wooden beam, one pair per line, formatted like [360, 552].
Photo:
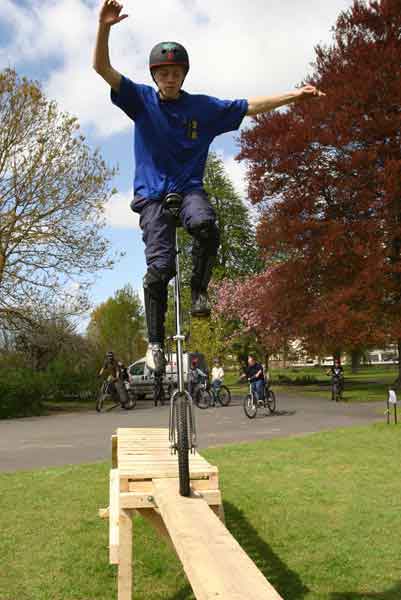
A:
[125, 562]
[215, 564]
[114, 454]
[114, 517]
[147, 500]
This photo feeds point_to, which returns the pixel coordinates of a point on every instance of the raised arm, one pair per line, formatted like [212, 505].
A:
[109, 16]
[265, 103]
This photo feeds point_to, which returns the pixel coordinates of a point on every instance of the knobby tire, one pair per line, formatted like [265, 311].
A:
[203, 399]
[250, 406]
[271, 401]
[181, 413]
[224, 396]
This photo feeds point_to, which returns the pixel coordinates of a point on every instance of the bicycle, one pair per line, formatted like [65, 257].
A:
[252, 404]
[336, 389]
[208, 395]
[109, 396]
[202, 395]
[220, 394]
[182, 429]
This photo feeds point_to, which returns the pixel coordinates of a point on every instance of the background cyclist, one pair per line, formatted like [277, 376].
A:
[116, 375]
[217, 378]
[195, 378]
[255, 374]
[336, 371]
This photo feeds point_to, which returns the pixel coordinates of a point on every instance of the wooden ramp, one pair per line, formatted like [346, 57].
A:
[144, 478]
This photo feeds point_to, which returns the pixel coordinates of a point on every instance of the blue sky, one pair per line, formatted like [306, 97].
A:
[237, 50]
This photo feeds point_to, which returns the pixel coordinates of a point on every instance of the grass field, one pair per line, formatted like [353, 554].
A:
[320, 516]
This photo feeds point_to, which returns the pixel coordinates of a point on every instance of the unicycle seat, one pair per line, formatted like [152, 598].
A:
[173, 203]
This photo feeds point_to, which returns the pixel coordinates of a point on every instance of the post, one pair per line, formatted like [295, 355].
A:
[125, 562]
[391, 401]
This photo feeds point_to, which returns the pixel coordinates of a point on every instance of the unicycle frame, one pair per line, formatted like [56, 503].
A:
[185, 410]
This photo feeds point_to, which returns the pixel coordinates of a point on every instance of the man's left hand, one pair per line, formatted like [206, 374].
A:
[309, 91]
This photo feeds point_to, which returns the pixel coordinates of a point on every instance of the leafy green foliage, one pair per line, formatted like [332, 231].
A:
[238, 256]
[118, 325]
[21, 392]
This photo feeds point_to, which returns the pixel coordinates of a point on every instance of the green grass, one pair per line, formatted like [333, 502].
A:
[320, 516]
[369, 384]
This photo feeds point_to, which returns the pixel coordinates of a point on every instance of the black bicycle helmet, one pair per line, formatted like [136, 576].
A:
[168, 53]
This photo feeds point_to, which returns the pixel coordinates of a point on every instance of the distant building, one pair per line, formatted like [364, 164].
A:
[297, 357]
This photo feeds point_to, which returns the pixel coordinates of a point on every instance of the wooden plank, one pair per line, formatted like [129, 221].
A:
[215, 564]
[146, 500]
[158, 474]
[114, 517]
[125, 563]
[146, 485]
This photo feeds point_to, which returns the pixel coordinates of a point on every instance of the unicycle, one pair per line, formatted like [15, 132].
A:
[182, 431]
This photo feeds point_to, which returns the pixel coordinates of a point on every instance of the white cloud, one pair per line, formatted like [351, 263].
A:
[119, 214]
[236, 171]
[236, 49]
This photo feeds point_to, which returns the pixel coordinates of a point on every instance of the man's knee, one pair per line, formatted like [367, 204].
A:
[156, 280]
[207, 236]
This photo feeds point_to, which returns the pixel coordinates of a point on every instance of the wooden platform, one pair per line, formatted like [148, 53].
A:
[144, 478]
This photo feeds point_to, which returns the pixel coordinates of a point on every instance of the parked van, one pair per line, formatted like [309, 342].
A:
[141, 379]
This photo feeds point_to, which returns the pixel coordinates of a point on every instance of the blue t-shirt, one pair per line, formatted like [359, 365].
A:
[172, 138]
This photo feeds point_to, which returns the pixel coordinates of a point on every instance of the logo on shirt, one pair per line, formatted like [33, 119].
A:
[192, 130]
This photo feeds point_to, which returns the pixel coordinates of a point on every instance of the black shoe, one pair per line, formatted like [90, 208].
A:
[155, 359]
[200, 304]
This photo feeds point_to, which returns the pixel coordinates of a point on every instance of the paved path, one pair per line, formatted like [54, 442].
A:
[74, 438]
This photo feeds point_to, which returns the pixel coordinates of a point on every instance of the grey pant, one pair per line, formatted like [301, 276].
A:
[158, 229]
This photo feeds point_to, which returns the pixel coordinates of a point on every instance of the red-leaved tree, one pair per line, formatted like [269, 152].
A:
[326, 175]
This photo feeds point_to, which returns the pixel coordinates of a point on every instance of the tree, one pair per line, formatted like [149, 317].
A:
[238, 255]
[327, 178]
[117, 325]
[52, 193]
[44, 339]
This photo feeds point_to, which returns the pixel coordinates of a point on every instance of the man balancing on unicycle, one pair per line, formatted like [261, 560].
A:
[173, 133]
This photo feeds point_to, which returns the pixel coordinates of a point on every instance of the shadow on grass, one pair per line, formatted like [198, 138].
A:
[393, 593]
[287, 583]
[185, 593]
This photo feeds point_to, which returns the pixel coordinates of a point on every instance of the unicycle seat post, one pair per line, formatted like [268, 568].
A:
[173, 203]
[179, 337]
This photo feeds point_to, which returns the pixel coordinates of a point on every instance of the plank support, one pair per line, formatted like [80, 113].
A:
[144, 480]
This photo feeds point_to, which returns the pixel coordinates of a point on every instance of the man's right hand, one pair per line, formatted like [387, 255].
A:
[110, 13]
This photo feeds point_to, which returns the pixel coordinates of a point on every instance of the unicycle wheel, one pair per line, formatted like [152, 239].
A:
[183, 446]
